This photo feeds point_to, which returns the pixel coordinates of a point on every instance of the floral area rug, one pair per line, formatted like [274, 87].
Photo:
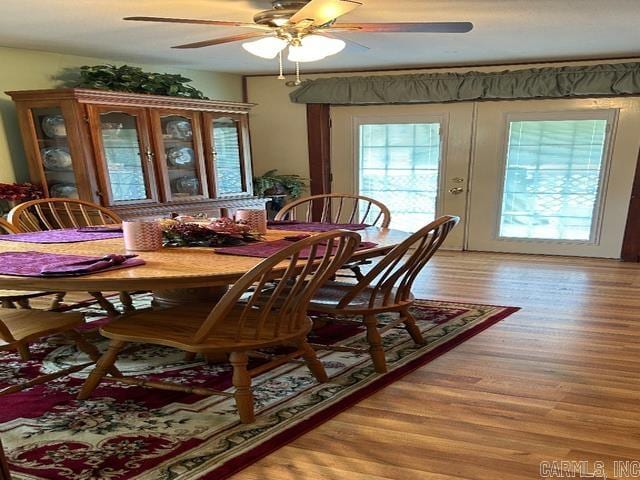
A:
[130, 432]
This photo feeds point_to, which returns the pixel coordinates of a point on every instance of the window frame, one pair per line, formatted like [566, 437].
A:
[610, 116]
[441, 119]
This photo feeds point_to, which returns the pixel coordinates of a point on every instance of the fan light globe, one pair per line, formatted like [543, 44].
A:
[267, 47]
[315, 47]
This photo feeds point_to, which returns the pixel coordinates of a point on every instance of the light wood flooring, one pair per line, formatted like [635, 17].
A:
[559, 380]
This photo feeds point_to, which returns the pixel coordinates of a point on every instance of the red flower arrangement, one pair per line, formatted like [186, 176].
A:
[19, 192]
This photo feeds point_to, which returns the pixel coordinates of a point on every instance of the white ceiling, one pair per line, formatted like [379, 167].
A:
[505, 31]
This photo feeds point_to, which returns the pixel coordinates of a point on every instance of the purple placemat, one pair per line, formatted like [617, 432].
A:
[266, 249]
[294, 225]
[66, 235]
[40, 264]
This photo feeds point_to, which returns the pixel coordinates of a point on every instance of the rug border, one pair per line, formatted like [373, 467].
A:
[279, 440]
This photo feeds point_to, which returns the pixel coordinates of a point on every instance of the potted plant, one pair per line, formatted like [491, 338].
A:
[271, 184]
[13, 193]
[133, 79]
[278, 188]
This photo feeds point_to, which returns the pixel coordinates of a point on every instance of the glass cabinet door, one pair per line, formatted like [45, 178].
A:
[179, 143]
[127, 155]
[55, 152]
[230, 156]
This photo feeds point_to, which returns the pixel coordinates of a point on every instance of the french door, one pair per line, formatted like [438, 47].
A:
[543, 176]
[553, 176]
[412, 158]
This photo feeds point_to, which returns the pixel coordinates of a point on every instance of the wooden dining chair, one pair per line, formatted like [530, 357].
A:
[20, 298]
[337, 208]
[385, 288]
[247, 318]
[56, 213]
[18, 328]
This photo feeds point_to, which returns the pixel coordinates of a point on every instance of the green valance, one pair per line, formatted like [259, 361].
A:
[549, 82]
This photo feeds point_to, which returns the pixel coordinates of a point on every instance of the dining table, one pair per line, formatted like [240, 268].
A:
[175, 275]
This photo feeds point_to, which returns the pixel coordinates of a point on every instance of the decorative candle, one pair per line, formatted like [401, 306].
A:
[142, 236]
[255, 218]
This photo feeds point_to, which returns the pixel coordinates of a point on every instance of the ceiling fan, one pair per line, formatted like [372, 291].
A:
[307, 27]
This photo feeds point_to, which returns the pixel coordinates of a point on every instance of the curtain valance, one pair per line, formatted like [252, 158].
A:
[549, 82]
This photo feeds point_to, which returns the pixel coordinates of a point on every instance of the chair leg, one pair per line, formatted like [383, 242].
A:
[127, 302]
[189, 356]
[8, 304]
[412, 328]
[56, 302]
[313, 363]
[90, 349]
[375, 344]
[105, 363]
[242, 383]
[23, 350]
[357, 272]
[105, 304]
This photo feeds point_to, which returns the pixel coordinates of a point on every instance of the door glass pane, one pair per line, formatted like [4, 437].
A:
[55, 155]
[180, 157]
[399, 165]
[122, 153]
[228, 162]
[552, 179]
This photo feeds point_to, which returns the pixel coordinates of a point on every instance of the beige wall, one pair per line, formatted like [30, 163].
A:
[29, 69]
[279, 127]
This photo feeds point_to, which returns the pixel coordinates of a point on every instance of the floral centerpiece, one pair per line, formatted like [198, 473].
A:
[13, 193]
[181, 232]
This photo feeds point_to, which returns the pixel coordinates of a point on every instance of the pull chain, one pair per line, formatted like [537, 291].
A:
[298, 82]
[281, 76]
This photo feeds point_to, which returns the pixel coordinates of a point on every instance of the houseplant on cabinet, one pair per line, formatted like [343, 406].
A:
[278, 188]
[133, 79]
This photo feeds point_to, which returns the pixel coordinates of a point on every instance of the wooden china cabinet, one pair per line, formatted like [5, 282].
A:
[140, 155]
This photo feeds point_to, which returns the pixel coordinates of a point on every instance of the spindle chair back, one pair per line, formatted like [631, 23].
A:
[337, 208]
[57, 213]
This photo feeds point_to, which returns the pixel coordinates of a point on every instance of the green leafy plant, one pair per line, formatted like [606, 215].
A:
[133, 79]
[270, 183]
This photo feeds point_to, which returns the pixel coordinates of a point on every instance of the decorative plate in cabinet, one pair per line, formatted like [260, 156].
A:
[53, 126]
[181, 156]
[56, 159]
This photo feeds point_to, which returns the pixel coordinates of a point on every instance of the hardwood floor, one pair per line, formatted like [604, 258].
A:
[559, 380]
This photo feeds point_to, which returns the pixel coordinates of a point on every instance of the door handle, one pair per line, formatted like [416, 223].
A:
[456, 190]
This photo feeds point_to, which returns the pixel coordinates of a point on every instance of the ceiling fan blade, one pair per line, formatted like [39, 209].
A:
[218, 41]
[198, 22]
[425, 27]
[323, 11]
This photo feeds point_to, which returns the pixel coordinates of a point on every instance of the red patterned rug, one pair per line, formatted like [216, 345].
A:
[129, 432]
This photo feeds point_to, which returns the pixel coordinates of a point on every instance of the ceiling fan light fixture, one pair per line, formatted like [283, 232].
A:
[315, 47]
[279, 22]
[267, 47]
